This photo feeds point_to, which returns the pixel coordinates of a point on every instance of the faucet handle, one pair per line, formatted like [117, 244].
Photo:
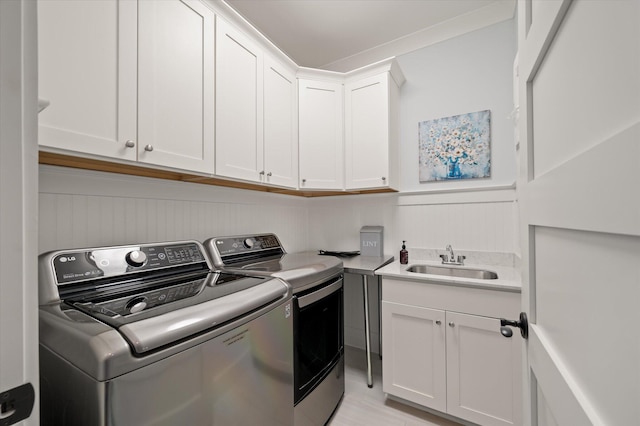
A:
[461, 258]
[444, 257]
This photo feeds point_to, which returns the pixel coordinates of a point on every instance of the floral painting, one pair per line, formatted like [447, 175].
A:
[455, 147]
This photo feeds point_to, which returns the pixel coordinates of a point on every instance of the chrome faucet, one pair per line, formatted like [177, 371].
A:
[450, 258]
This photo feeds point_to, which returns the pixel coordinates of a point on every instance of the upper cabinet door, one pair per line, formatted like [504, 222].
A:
[90, 80]
[176, 84]
[321, 134]
[239, 103]
[280, 125]
[370, 133]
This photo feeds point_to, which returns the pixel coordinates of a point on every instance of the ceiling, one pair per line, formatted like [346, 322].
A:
[317, 33]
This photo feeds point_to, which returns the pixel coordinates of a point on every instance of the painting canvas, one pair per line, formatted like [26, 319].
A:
[455, 147]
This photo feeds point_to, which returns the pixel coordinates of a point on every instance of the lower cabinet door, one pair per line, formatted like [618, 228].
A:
[414, 364]
[483, 371]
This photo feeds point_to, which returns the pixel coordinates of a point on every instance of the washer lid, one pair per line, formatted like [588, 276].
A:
[300, 270]
[152, 333]
[152, 316]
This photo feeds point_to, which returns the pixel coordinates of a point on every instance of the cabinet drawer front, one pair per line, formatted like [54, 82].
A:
[478, 301]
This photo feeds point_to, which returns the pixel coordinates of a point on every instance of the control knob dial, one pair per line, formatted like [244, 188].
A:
[136, 304]
[136, 258]
[248, 243]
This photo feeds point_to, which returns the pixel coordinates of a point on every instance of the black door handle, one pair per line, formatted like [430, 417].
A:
[16, 404]
[522, 324]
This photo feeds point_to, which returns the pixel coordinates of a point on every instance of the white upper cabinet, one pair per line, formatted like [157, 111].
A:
[320, 133]
[280, 125]
[239, 104]
[371, 132]
[87, 69]
[176, 84]
[256, 115]
[128, 80]
[186, 84]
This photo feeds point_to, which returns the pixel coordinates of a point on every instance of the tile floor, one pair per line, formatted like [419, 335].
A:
[362, 406]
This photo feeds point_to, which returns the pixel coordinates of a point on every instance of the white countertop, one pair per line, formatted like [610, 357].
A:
[508, 277]
[365, 265]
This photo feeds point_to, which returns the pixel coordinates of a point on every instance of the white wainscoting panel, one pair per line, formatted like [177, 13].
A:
[478, 226]
[82, 209]
[465, 221]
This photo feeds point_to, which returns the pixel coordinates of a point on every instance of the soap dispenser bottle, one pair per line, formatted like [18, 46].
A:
[404, 254]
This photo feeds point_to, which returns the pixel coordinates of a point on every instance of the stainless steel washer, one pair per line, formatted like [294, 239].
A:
[318, 300]
[150, 335]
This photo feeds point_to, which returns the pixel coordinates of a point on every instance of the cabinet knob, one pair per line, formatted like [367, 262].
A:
[261, 172]
[384, 178]
[269, 174]
[438, 322]
[451, 324]
[304, 180]
[130, 144]
[148, 148]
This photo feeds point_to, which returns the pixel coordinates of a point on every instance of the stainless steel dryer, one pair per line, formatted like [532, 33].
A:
[318, 300]
[150, 335]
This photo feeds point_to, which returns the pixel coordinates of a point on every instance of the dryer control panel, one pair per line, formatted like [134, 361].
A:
[246, 244]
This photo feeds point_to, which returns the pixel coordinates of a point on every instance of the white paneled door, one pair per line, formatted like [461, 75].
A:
[18, 214]
[579, 73]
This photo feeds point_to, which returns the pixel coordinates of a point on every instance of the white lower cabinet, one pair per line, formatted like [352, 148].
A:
[414, 361]
[450, 361]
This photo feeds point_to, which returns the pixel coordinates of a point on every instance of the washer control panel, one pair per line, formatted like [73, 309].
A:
[75, 266]
[246, 244]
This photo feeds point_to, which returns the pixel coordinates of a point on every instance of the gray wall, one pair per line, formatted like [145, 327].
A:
[469, 73]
